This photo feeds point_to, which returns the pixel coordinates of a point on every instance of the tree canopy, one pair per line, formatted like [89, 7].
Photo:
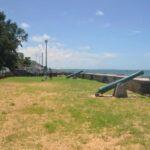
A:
[23, 61]
[11, 36]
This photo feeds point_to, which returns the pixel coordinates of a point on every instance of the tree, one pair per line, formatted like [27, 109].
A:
[27, 61]
[22, 61]
[11, 36]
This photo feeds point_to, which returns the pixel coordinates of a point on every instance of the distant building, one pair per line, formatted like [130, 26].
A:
[35, 68]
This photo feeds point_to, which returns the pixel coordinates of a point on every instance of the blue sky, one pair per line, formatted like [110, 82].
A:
[93, 34]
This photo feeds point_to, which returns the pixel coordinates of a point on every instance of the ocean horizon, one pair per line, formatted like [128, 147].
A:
[109, 71]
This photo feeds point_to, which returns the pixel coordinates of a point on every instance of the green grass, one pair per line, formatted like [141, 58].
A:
[67, 107]
[35, 110]
[51, 127]
[22, 79]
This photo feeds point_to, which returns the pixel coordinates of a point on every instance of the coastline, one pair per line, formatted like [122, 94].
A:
[107, 71]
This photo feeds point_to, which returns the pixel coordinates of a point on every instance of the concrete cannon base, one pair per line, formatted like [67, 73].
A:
[120, 91]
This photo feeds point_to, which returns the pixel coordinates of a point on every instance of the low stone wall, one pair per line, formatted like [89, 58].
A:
[138, 85]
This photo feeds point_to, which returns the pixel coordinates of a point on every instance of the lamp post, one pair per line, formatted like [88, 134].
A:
[46, 41]
[42, 59]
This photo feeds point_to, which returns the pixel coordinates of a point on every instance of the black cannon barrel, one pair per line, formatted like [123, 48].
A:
[74, 74]
[112, 85]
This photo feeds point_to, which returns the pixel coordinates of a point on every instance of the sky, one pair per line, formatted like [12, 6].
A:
[88, 34]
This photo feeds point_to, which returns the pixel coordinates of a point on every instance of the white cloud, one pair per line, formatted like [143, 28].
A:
[24, 25]
[41, 38]
[61, 57]
[99, 13]
[32, 51]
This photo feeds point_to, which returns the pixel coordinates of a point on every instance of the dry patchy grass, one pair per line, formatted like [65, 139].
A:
[61, 114]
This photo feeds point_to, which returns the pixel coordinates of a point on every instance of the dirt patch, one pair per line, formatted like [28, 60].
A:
[84, 142]
[103, 142]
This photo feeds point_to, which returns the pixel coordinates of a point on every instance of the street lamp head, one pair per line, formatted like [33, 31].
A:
[46, 41]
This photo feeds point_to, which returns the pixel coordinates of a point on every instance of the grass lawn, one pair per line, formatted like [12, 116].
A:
[64, 114]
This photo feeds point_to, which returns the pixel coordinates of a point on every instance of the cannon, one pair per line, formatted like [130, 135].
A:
[74, 75]
[118, 85]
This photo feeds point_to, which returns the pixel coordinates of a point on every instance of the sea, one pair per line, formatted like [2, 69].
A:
[109, 71]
